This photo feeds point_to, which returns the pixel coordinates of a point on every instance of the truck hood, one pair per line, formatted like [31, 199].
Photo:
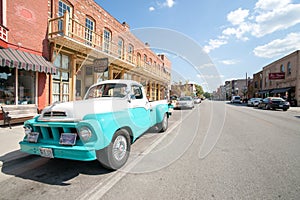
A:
[75, 111]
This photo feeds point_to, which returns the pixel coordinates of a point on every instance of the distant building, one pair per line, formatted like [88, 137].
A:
[256, 84]
[186, 89]
[239, 88]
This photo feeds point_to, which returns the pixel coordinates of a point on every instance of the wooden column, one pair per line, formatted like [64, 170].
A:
[72, 81]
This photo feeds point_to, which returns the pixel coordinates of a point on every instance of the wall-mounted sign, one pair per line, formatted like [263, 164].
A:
[100, 65]
[276, 76]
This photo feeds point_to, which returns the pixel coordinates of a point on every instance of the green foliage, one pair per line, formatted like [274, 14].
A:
[207, 95]
[199, 90]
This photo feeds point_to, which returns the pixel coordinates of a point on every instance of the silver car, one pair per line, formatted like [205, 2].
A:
[254, 102]
[185, 102]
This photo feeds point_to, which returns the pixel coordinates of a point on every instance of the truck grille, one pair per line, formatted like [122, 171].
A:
[55, 114]
[51, 135]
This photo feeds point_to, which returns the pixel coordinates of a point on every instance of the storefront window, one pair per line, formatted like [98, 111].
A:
[7, 86]
[26, 87]
[25, 84]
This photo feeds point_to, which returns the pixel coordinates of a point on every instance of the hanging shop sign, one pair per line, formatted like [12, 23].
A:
[100, 65]
[276, 76]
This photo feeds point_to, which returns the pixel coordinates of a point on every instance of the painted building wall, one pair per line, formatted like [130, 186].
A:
[27, 22]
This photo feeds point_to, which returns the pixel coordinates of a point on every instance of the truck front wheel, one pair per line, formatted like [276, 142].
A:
[115, 155]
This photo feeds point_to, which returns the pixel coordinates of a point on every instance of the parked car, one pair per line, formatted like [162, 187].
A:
[253, 102]
[274, 103]
[235, 99]
[197, 100]
[185, 102]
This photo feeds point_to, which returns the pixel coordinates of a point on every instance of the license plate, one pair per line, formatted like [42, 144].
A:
[68, 139]
[280, 106]
[46, 152]
[32, 137]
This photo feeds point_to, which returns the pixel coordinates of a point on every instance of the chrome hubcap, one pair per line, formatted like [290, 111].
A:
[119, 147]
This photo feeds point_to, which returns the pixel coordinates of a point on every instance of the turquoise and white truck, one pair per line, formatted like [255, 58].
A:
[102, 126]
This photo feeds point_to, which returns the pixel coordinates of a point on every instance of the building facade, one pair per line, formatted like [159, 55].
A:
[256, 86]
[89, 45]
[25, 69]
[282, 78]
[81, 44]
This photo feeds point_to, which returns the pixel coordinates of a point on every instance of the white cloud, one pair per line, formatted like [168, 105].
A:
[151, 8]
[207, 76]
[166, 3]
[279, 47]
[268, 16]
[160, 5]
[271, 4]
[207, 65]
[238, 16]
[229, 62]
[169, 3]
[278, 19]
[214, 44]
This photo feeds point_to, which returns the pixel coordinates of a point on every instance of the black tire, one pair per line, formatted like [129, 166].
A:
[164, 124]
[115, 155]
[285, 109]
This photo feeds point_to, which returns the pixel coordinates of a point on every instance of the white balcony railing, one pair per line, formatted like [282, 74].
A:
[66, 26]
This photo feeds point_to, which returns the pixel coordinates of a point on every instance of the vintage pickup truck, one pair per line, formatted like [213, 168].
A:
[102, 126]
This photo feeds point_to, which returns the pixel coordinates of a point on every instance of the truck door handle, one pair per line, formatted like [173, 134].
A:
[150, 108]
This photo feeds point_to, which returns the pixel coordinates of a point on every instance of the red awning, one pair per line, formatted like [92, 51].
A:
[22, 60]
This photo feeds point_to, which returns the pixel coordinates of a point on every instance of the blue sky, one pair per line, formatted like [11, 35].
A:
[239, 36]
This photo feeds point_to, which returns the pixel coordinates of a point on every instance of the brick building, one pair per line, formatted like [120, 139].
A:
[90, 45]
[282, 78]
[84, 43]
[24, 54]
[256, 84]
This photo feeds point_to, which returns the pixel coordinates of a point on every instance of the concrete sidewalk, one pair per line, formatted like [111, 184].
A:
[295, 109]
[9, 143]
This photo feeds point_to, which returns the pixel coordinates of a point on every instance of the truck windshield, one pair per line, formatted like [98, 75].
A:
[117, 90]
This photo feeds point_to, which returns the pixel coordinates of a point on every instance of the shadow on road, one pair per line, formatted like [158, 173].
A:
[236, 104]
[49, 171]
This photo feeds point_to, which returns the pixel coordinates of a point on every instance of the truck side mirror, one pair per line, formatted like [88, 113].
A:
[128, 95]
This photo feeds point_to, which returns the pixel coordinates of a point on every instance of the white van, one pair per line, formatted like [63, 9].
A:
[235, 99]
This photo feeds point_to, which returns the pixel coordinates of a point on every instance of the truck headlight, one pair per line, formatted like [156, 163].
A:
[27, 129]
[85, 133]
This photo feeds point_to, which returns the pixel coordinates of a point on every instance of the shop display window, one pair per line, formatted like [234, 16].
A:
[26, 87]
[7, 86]
[17, 90]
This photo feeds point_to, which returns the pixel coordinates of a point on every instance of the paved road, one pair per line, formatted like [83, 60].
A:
[215, 151]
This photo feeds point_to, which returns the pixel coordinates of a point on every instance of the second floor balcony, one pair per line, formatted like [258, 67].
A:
[70, 33]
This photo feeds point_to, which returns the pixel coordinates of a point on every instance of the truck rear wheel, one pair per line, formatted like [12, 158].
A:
[115, 155]
[164, 123]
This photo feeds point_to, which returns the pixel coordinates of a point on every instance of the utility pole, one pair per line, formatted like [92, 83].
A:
[246, 86]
